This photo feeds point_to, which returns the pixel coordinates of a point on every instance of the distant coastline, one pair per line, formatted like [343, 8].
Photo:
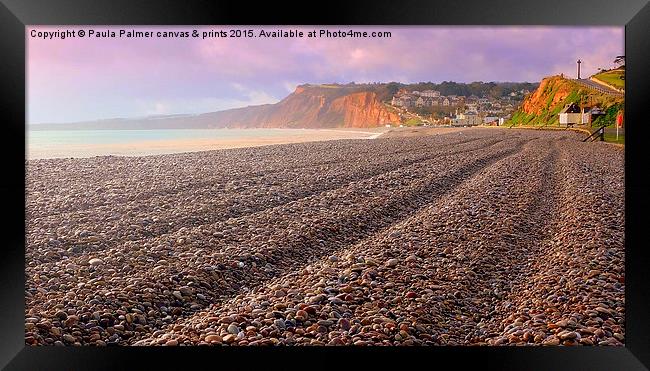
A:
[44, 144]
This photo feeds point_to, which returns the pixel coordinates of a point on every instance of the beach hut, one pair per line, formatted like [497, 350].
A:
[595, 112]
[570, 115]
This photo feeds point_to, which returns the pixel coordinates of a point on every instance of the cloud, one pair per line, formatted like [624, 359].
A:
[158, 109]
[237, 86]
[260, 97]
[202, 104]
[252, 96]
[290, 86]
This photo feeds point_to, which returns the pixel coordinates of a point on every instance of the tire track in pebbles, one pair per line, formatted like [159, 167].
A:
[575, 294]
[272, 286]
[195, 278]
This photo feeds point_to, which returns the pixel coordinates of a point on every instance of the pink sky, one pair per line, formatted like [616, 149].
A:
[94, 78]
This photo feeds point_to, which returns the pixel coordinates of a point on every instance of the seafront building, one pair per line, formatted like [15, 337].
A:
[480, 106]
[431, 106]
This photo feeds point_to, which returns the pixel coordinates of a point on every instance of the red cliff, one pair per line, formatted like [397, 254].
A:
[309, 106]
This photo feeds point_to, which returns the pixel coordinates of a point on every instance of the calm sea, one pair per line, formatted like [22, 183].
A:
[86, 143]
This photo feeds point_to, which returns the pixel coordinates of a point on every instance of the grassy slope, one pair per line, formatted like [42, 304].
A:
[612, 77]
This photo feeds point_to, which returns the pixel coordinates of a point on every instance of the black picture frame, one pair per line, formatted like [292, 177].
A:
[16, 14]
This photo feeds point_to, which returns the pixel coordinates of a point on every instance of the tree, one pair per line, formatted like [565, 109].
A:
[392, 88]
[620, 60]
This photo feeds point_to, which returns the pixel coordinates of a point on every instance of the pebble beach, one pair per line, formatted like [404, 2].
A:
[471, 237]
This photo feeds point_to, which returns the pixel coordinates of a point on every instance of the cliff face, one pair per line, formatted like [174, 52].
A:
[312, 107]
[362, 110]
[551, 92]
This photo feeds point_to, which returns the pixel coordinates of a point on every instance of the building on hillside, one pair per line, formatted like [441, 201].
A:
[466, 119]
[593, 114]
[472, 107]
[473, 119]
[408, 101]
[430, 93]
[570, 115]
[491, 120]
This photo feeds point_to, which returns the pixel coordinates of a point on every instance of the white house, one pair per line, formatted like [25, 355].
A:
[472, 107]
[430, 93]
[466, 119]
[492, 120]
[407, 101]
[570, 115]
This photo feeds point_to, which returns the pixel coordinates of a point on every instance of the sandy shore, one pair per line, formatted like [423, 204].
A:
[473, 237]
[155, 147]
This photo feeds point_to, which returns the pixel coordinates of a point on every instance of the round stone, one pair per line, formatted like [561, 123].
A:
[233, 329]
[392, 263]
[95, 262]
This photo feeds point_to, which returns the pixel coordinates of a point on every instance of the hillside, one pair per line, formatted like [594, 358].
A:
[312, 106]
[309, 106]
[541, 107]
[614, 78]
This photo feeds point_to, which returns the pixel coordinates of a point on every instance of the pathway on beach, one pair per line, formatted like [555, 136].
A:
[476, 236]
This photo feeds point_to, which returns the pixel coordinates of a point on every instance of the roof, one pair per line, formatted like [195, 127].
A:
[570, 108]
[596, 111]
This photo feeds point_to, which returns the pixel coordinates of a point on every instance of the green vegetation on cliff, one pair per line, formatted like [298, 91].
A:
[542, 107]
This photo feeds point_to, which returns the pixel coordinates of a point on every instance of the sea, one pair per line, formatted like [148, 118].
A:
[88, 143]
